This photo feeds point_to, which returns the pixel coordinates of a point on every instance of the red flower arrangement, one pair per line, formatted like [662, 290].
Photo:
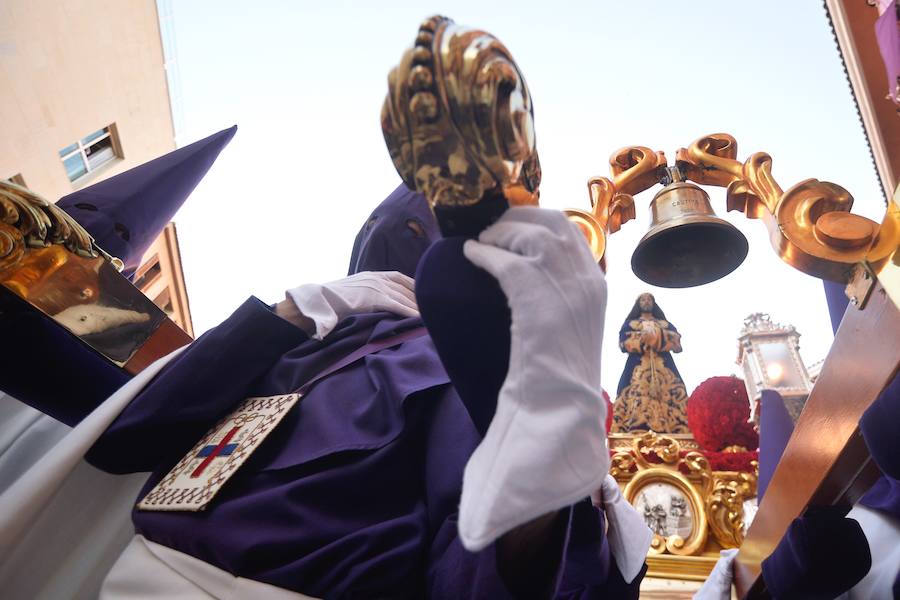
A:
[732, 461]
[717, 413]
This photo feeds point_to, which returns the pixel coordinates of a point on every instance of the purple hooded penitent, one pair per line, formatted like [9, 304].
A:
[125, 213]
[355, 493]
[395, 235]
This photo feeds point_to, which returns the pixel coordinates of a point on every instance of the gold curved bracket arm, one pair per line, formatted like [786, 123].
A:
[634, 169]
[810, 225]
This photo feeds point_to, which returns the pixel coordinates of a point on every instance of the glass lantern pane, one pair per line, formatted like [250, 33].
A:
[779, 366]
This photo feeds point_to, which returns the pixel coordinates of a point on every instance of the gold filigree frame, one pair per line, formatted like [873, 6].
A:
[673, 544]
[717, 497]
[725, 506]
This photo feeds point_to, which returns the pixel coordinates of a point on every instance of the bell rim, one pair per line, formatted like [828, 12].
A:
[712, 221]
[691, 219]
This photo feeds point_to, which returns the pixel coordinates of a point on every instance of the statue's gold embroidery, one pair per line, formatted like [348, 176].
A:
[655, 398]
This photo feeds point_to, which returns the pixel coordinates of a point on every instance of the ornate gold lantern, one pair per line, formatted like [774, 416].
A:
[769, 355]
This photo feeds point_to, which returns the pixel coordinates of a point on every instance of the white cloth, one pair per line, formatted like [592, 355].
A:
[63, 523]
[628, 535]
[545, 447]
[26, 434]
[370, 291]
[883, 534]
[718, 585]
[149, 570]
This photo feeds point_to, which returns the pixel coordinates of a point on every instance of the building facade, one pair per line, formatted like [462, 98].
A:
[85, 97]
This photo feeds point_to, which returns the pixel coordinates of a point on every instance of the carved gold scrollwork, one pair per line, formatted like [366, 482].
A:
[458, 119]
[621, 464]
[634, 169]
[725, 506]
[12, 246]
[698, 465]
[666, 449]
[40, 222]
[810, 225]
[29, 221]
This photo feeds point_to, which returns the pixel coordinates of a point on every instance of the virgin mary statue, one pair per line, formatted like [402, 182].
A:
[651, 394]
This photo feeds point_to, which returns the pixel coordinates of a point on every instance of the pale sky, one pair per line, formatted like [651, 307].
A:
[304, 82]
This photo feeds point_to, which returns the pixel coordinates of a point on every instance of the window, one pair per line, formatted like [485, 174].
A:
[89, 153]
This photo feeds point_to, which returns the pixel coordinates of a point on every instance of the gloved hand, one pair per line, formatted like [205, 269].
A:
[545, 447]
[326, 304]
[628, 534]
[718, 585]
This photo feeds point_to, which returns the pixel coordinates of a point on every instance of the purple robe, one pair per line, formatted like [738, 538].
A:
[355, 493]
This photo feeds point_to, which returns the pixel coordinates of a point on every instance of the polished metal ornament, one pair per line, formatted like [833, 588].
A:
[458, 120]
[687, 244]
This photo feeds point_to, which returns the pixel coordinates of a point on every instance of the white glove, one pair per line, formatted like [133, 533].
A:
[370, 291]
[628, 534]
[545, 448]
[718, 585]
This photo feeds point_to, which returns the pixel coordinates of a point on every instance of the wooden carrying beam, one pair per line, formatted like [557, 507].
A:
[826, 461]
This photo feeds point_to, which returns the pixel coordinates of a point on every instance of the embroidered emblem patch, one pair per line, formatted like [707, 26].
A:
[198, 477]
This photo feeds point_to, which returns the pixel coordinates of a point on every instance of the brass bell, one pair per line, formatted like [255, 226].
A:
[687, 244]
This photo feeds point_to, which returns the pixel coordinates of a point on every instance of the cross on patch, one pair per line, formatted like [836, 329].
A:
[208, 453]
[228, 444]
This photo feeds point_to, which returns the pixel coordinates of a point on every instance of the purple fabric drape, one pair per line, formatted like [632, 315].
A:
[837, 302]
[775, 429]
[888, 36]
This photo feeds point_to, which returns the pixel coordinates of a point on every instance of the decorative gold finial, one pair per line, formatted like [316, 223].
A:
[458, 120]
[28, 220]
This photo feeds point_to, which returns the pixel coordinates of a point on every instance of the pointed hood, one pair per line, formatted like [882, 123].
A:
[396, 234]
[127, 212]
